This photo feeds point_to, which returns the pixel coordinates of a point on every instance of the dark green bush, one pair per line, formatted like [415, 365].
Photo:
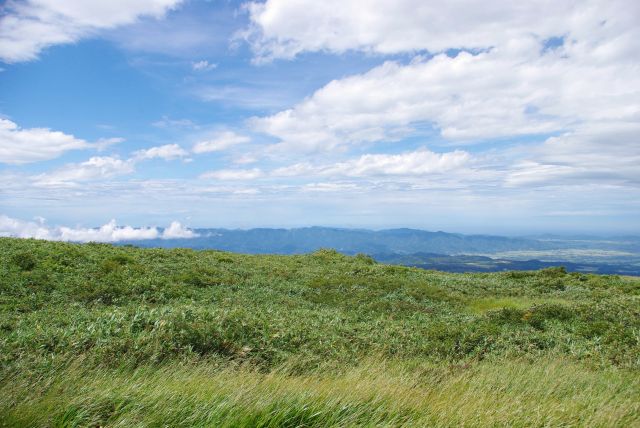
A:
[519, 274]
[553, 272]
[508, 316]
[539, 315]
[364, 258]
[24, 260]
[206, 277]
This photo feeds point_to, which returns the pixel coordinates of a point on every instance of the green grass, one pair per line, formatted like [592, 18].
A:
[98, 335]
[479, 306]
[546, 393]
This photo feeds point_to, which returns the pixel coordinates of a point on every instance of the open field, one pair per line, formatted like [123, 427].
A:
[98, 335]
[575, 255]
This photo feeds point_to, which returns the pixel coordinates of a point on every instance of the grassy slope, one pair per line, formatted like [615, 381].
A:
[102, 335]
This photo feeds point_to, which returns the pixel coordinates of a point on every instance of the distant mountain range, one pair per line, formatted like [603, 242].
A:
[349, 241]
[436, 250]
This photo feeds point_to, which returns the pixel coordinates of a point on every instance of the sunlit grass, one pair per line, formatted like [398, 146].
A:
[479, 306]
[549, 392]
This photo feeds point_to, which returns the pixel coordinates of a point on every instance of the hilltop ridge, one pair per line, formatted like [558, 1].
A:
[97, 334]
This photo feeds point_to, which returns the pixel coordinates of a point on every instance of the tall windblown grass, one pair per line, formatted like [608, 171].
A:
[549, 392]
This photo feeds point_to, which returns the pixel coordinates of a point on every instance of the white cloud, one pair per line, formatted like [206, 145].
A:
[26, 28]
[23, 229]
[220, 141]
[330, 187]
[184, 34]
[167, 122]
[419, 162]
[96, 168]
[245, 158]
[283, 28]
[605, 153]
[584, 87]
[233, 174]
[19, 145]
[176, 230]
[104, 143]
[251, 94]
[109, 232]
[166, 152]
[103, 167]
[508, 91]
[203, 65]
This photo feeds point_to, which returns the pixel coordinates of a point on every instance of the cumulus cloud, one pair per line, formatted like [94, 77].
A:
[19, 145]
[26, 28]
[177, 231]
[25, 145]
[96, 168]
[220, 141]
[508, 91]
[233, 174]
[103, 167]
[109, 232]
[283, 29]
[166, 152]
[499, 70]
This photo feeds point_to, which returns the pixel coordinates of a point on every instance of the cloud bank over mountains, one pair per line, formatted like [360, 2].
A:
[109, 232]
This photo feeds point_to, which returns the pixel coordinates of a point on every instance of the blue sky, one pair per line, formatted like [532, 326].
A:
[477, 117]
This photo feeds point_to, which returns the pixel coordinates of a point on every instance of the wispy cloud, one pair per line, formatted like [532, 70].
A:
[249, 96]
[26, 28]
[167, 122]
[220, 141]
[420, 162]
[233, 174]
[203, 65]
[166, 152]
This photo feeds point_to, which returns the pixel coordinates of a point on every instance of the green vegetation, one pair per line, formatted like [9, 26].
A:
[99, 335]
